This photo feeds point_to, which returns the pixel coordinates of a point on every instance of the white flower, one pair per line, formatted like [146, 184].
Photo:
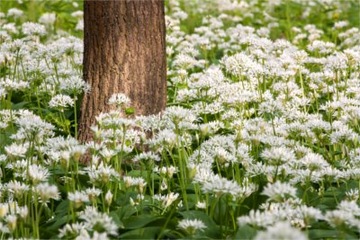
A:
[47, 18]
[108, 197]
[278, 155]
[219, 185]
[37, 173]
[167, 171]
[80, 25]
[93, 218]
[352, 194]
[45, 192]
[101, 173]
[17, 188]
[78, 198]
[74, 84]
[166, 200]
[14, 12]
[119, 99]
[93, 193]
[17, 150]
[11, 85]
[281, 230]
[279, 191]
[191, 225]
[201, 205]
[341, 24]
[61, 101]
[146, 156]
[30, 28]
[71, 229]
[139, 182]
[84, 235]
[11, 221]
[77, 14]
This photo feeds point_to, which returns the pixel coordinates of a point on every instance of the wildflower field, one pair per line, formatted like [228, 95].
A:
[260, 138]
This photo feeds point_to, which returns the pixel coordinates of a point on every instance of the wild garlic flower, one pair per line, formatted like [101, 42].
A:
[15, 12]
[291, 210]
[93, 193]
[16, 150]
[166, 200]
[278, 155]
[84, 235]
[45, 192]
[18, 189]
[96, 220]
[47, 18]
[220, 186]
[313, 162]
[191, 225]
[279, 191]
[168, 171]
[138, 182]
[80, 25]
[107, 154]
[78, 198]
[74, 85]
[281, 230]
[10, 85]
[37, 173]
[201, 205]
[61, 101]
[32, 127]
[339, 218]
[101, 173]
[165, 139]
[11, 221]
[120, 100]
[108, 197]
[146, 156]
[352, 194]
[73, 229]
[30, 28]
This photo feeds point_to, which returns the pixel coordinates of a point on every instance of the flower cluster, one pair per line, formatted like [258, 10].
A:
[260, 136]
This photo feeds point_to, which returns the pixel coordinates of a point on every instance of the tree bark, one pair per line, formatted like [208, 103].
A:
[124, 51]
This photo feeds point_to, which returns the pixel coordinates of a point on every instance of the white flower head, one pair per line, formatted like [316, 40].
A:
[37, 173]
[30, 28]
[95, 220]
[108, 197]
[14, 12]
[281, 230]
[279, 191]
[61, 101]
[119, 99]
[45, 192]
[78, 198]
[191, 225]
[47, 18]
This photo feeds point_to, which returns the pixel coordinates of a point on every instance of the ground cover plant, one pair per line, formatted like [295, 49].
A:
[260, 139]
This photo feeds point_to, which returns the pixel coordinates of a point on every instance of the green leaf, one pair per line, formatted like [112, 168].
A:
[62, 208]
[116, 219]
[58, 223]
[323, 233]
[245, 232]
[129, 110]
[140, 221]
[142, 233]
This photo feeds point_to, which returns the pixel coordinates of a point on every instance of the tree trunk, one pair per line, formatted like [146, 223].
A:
[124, 51]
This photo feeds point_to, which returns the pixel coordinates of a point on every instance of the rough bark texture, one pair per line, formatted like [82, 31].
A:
[124, 51]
